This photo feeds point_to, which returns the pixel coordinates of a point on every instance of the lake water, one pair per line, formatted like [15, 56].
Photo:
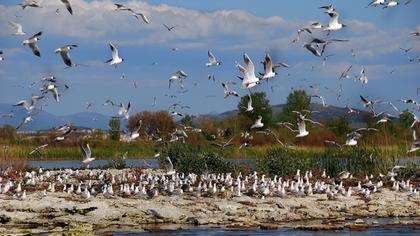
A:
[382, 230]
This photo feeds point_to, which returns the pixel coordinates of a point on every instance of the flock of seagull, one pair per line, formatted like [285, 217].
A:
[247, 75]
[134, 183]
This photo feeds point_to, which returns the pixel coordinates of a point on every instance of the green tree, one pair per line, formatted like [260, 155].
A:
[114, 125]
[339, 126]
[261, 106]
[187, 120]
[296, 101]
[406, 118]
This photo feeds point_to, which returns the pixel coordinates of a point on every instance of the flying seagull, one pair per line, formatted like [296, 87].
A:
[249, 79]
[68, 6]
[27, 106]
[32, 43]
[212, 60]
[29, 3]
[125, 111]
[18, 28]
[229, 92]
[37, 149]
[258, 123]
[376, 3]
[179, 74]
[65, 54]
[415, 145]
[87, 155]
[333, 25]
[169, 167]
[391, 3]
[169, 28]
[142, 16]
[115, 60]
[249, 107]
[362, 77]
[269, 67]
[25, 120]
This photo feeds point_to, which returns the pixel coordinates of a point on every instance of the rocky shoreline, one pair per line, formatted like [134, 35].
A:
[61, 212]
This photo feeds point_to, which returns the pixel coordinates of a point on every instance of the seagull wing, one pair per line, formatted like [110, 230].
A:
[250, 72]
[68, 6]
[114, 51]
[35, 49]
[212, 58]
[65, 54]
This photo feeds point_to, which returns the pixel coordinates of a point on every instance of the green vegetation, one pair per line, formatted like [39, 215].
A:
[114, 125]
[376, 151]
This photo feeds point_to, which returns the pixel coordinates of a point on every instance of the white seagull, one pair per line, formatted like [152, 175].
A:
[65, 54]
[416, 142]
[18, 28]
[125, 111]
[27, 106]
[169, 167]
[333, 25]
[29, 3]
[249, 79]
[362, 77]
[115, 58]
[229, 92]
[32, 43]
[258, 123]
[87, 155]
[302, 125]
[249, 107]
[391, 3]
[212, 60]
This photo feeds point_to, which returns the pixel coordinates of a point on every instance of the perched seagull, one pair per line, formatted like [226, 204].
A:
[115, 58]
[249, 79]
[125, 111]
[25, 120]
[27, 106]
[169, 167]
[415, 145]
[212, 60]
[169, 28]
[333, 25]
[28, 3]
[376, 3]
[32, 43]
[229, 92]
[68, 6]
[362, 76]
[87, 155]
[37, 149]
[65, 54]
[18, 28]
[143, 17]
[258, 123]
[391, 3]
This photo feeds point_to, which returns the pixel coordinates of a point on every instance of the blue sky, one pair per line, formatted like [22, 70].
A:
[228, 29]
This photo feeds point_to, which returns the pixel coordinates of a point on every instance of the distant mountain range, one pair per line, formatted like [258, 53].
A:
[44, 120]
